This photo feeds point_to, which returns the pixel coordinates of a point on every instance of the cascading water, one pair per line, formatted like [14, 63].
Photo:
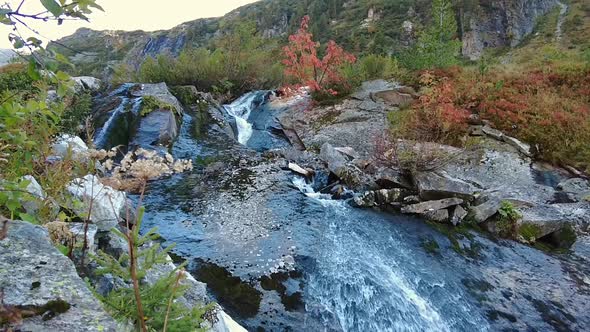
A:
[374, 289]
[356, 270]
[240, 110]
[100, 140]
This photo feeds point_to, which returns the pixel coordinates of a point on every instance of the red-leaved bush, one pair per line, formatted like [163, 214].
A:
[304, 66]
[549, 109]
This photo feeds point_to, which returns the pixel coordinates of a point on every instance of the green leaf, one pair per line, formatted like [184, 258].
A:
[29, 218]
[32, 70]
[53, 7]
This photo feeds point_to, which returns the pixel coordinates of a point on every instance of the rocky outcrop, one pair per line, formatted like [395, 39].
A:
[87, 84]
[42, 285]
[67, 144]
[433, 185]
[501, 23]
[139, 115]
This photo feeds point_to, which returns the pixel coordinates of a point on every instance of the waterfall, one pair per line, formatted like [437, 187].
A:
[240, 110]
[101, 138]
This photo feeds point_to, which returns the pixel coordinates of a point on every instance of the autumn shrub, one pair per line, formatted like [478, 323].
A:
[548, 108]
[305, 67]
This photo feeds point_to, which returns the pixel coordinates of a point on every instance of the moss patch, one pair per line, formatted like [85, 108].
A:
[150, 104]
[430, 246]
[529, 232]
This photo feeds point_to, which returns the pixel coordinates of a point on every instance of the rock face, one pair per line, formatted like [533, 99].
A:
[125, 117]
[106, 201]
[37, 278]
[501, 23]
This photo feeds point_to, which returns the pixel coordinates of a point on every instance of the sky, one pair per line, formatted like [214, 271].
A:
[148, 15]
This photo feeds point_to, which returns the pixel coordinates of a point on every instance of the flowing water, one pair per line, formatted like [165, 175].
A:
[353, 270]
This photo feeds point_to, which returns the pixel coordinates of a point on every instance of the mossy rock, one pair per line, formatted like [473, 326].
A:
[150, 104]
[529, 232]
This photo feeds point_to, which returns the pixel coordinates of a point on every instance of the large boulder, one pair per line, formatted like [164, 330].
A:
[87, 83]
[43, 284]
[430, 206]
[439, 185]
[158, 128]
[103, 202]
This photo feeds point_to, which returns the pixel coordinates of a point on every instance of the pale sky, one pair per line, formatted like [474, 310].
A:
[148, 15]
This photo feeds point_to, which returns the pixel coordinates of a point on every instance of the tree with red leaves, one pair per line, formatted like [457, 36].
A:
[303, 64]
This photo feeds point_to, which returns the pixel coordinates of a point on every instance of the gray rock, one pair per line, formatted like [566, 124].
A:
[78, 230]
[65, 144]
[388, 177]
[388, 196]
[333, 158]
[486, 210]
[577, 187]
[299, 170]
[550, 218]
[394, 98]
[430, 206]
[518, 145]
[159, 91]
[493, 133]
[366, 199]
[433, 186]
[106, 201]
[438, 216]
[37, 196]
[158, 128]
[87, 83]
[458, 215]
[370, 87]
[35, 275]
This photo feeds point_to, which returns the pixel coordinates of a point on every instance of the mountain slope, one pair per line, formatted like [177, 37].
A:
[361, 26]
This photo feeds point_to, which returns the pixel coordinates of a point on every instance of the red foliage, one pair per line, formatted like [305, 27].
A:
[303, 64]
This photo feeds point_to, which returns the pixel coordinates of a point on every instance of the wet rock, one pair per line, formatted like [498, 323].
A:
[413, 199]
[388, 196]
[337, 163]
[577, 187]
[37, 277]
[158, 128]
[429, 206]
[458, 215]
[433, 186]
[106, 201]
[366, 199]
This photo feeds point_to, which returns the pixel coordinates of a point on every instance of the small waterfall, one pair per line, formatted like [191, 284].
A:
[240, 110]
[101, 138]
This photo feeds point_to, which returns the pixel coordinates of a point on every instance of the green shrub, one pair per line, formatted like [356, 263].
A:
[508, 217]
[77, 110]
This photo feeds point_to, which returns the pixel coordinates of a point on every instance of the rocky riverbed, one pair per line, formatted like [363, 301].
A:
[291, 225]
